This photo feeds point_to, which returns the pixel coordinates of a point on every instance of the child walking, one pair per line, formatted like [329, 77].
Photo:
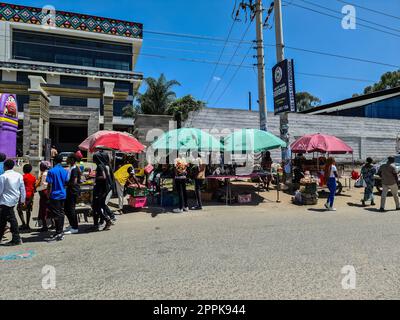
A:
[30, 189]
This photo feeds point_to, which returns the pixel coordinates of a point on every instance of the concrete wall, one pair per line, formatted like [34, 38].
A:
[147, 127]
[368, 137]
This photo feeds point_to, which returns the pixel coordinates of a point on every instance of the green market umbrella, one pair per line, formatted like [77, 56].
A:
[187, 139]
[252, 140]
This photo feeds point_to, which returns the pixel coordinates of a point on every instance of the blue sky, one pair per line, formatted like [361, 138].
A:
[302, 29]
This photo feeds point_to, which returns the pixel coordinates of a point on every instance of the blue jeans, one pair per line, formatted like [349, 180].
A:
[332, 190]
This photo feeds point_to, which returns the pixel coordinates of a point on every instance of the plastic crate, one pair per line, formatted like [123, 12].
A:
[137, 202]
[135, 192]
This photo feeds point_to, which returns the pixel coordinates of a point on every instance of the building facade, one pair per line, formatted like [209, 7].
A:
[72, 73]
[369, 137]
[383, 104]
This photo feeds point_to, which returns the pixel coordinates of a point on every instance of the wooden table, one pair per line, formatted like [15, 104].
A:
[228, 185]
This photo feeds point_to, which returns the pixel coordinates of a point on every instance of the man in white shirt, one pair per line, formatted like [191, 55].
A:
[12, 191]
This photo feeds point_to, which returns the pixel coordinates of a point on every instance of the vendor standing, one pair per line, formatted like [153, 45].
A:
[199, 177]
[124, 176]
[266, 165]
[298, 168]
[180, 184]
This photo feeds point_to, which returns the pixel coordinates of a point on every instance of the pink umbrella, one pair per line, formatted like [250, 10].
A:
[320, 143]
[114, 140]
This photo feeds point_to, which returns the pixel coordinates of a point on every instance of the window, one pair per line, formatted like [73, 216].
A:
[73, 81]
[21, 101]
[23, 77]
[119, 105]
[73, 102]
[45, 47]
[124, 86]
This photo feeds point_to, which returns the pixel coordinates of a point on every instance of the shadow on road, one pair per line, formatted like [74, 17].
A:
[374, 210]
[358, 205]
[36, 237]
[317, 210]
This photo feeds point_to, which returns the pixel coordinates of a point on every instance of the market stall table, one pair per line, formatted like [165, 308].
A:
[228, 185]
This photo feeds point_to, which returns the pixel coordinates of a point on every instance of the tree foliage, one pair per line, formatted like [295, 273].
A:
[129, 111]
[185, 105]
[388, 80]
[306, 101]
[158, 97]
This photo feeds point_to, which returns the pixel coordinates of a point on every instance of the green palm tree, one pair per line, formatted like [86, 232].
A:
[158, 96]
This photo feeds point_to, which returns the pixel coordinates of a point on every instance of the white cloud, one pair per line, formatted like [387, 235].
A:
[217, 79]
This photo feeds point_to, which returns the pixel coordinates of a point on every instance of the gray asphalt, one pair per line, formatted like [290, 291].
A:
[269, 251]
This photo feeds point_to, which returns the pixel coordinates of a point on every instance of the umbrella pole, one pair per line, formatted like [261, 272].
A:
[114, 154]
[278, 187]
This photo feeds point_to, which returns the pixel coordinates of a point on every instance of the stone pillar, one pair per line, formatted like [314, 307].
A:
[39, 116]
[93, 127]
[108, 104]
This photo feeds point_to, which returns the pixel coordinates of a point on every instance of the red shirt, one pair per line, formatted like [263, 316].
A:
[29, 181]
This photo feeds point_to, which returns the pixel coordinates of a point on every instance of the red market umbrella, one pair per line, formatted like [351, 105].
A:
[114, 140]
[321, 143]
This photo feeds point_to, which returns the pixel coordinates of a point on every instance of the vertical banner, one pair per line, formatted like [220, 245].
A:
[8, 124]
[284, 87]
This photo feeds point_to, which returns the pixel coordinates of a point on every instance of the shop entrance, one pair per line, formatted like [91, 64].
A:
[66, 135]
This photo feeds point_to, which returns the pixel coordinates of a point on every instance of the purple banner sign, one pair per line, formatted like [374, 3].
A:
[8, 124]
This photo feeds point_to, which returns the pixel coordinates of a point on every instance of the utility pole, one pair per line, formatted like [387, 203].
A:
[256, 11]
[261, 65]
[280, 56]
[249, 100]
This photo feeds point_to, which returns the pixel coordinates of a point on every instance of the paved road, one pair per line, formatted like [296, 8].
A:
[269, 251]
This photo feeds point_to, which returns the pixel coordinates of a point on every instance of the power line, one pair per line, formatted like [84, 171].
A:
[369, 9]
[243, 66]
[319, 75]
[230, 61]
[343, 57]
[205, 43]
[191, 36]
[187, 50]
[239, 42]
[194, 60]
[233, 76]
[334, 55]
[340, 18]
[219, 59]
[360, 19]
